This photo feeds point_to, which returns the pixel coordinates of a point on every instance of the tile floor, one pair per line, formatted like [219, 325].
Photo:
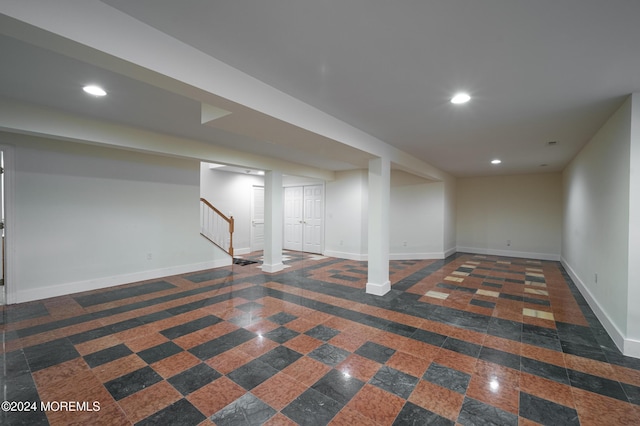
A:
[469, 340]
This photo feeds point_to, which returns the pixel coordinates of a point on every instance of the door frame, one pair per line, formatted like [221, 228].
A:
[322, 218]
[10, 229]
[324, 207]
[288, 223]
[252, 245]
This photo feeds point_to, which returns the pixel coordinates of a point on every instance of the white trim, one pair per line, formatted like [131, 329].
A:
[98, 283]
[450, 251]
[346, 255]
[363, 257]
[509, 253]
[245, 250]
[378, 289]
[611, 328]
[271, 268]
[416, 256]
[631, 348]
[252, 206]
[10, 235]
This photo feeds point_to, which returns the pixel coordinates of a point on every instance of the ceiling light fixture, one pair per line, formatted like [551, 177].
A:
[496, 161]
[94, 90]
[460, 98]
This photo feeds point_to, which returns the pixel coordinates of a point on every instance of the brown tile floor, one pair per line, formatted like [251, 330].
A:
[467, 340]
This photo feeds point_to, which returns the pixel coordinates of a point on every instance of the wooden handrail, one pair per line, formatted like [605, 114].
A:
[229, 220]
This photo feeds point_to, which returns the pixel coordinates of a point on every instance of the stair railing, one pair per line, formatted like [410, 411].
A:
[216, 227]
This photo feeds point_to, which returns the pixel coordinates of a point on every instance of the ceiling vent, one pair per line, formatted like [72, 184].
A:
[552, 143]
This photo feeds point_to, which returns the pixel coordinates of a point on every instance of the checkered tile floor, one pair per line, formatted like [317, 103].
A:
[467, 340]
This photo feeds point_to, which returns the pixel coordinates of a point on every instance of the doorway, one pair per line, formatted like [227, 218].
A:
[257, 218]
[6, 291]
[304, 218]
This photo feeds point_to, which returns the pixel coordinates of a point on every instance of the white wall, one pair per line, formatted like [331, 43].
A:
[596, 221]
[231, 193]
[416, 216]
[523, 209]
[416, 213]
[346, 215]
[632, 346]
[88, 217]
[418, 208]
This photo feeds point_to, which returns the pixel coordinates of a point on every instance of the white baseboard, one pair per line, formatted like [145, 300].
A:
[449, 252]
[378, 289]
[416, 256]
[509, 253]
[392, 256]
[346, 255]
[98, 283]
[613, 331]
[631, 348]
[271, 268]
[238, 251]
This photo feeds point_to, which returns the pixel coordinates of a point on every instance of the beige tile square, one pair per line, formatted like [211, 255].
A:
[455, 279]
[536, 291]
[504, 262]
[468, 266]
[464, 274]
[437, 294]
[537, 314]
[534, 269]
[535, 284]
[488, 293]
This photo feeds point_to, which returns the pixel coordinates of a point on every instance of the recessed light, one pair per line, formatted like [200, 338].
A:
[94, 90]
[460, 98]
[496, 161]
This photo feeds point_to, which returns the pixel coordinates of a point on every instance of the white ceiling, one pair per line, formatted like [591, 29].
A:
[537, 71]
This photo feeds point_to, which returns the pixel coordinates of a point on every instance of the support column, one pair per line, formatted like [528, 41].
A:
[273, 216]
[378, 239]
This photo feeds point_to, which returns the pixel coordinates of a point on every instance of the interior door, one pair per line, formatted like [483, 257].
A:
[257, 219]
[313, 218]
[2, 217]
[303, 218]
[293, 218]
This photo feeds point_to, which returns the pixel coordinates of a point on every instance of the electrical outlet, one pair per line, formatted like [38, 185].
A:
[149, 256]
[508, 243]
[404, 243]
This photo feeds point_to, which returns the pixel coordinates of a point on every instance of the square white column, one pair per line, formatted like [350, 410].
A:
[273, 219]
[378, 237]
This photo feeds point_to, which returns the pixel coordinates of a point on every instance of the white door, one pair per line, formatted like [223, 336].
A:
[303, 218]
[313, 217]
[293, 218]
[2, 218]
[257, 219]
